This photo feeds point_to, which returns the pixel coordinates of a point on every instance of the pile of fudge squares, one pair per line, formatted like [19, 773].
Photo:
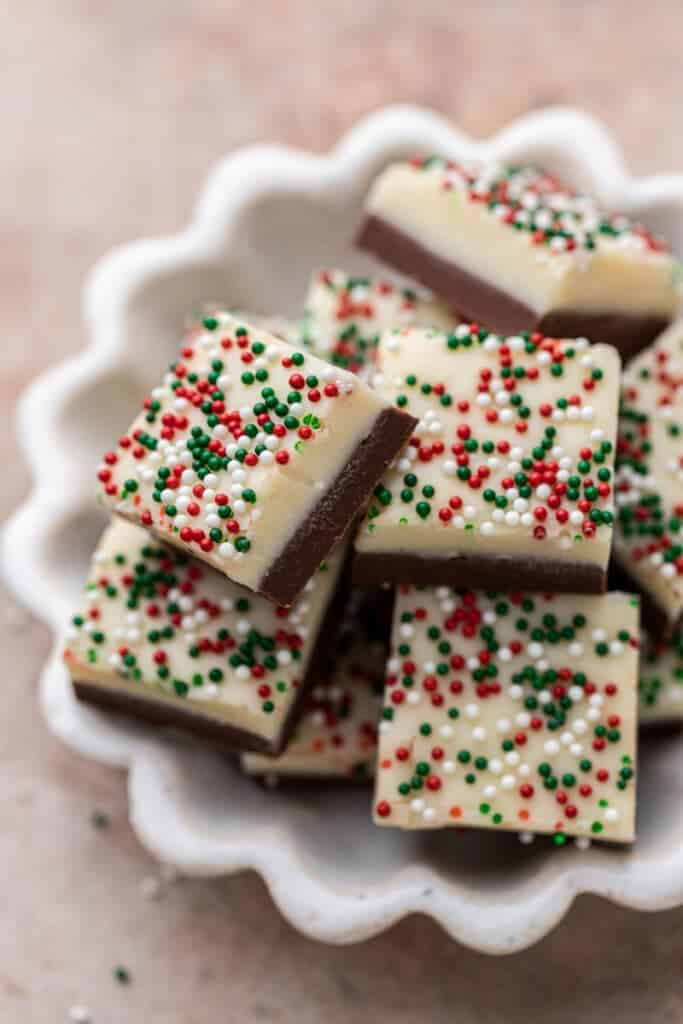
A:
[374, 542]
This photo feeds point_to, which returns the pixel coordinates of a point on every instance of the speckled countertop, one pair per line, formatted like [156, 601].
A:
[112, 113]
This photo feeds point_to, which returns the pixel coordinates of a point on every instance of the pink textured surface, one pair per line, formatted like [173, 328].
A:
[111, 118]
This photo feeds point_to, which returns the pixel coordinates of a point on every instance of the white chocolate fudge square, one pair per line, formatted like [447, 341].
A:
[253, 456]
[511, 460]
[337, 735]
[648, 541]
[164, 637]
[511, 712]
[345, 315]
[528, 237]
[661, 681]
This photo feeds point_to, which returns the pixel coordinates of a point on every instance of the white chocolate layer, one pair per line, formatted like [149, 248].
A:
[337, 735]
[452, 517]
[272, 465]
[648, 538]
[207, 620]
[510, 712]
[345, 316]
[661, 681]
[434, 204]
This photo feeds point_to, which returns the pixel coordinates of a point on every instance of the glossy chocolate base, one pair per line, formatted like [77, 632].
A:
[479, 572]
[184, 717]
[495, 309]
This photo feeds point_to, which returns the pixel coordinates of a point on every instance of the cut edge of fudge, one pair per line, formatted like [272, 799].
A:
[502, 312]
[142, 702]
[565, 233]
[329, 518]
[488, 572]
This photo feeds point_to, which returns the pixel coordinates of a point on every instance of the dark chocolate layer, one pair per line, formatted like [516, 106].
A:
[184, 716]
[329, 519]
[479, 572]
[627, 332]
[652, 616]
[495, 309]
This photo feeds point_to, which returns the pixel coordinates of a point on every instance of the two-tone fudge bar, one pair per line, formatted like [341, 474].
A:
[253, 456]
[511, 712]
[344, 316]
[513, 247]
[648, 537]
[166, 639]
[507, 479]
[661, 681]
[337, 734]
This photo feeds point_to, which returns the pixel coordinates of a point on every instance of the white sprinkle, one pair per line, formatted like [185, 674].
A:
[80, 1015]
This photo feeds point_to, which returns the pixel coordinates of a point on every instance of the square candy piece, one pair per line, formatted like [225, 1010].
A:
[166, 639]
[661, 681]
[517, 250]
[337, 734]
[648, 537]
[507, 480]
[345, 316]
[511, 712]
[253, 456]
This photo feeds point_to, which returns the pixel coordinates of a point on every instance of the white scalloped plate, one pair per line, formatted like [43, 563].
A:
[266, 217]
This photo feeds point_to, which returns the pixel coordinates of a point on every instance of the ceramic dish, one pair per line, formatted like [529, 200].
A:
[265, 219]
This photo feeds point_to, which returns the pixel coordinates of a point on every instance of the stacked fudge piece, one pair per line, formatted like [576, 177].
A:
[469, 473]
[511, 698]
[214, 596]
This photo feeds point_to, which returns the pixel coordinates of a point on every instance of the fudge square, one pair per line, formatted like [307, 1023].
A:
[511, 246]
[253, 456]
[165, 638]
[337, 734]
[507, 480]
[661, 681]
[344, 316]
[511, 712]
[648, 537]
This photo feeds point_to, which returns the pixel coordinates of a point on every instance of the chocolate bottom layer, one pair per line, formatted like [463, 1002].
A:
[223, 735]
[479, 572]
[652, 616]
[329, 519]
[497, 310]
